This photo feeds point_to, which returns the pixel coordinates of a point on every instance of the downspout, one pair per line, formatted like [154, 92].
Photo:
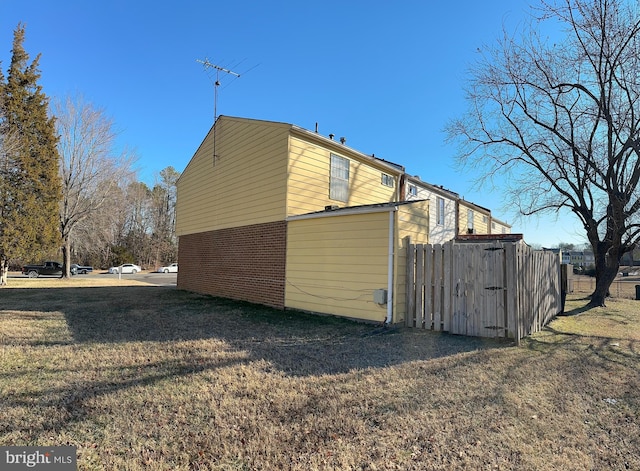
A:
[390, 266]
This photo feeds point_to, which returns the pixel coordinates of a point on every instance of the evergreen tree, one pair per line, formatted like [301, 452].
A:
[30, 183]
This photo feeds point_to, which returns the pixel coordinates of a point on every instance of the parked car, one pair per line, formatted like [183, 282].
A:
[173, 268]
[126, 268]
[47, 268]
[80, 269]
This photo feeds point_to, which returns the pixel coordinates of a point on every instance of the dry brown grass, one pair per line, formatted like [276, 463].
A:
[154, 378]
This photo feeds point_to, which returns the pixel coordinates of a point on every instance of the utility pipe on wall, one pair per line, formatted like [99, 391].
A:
[392, 215]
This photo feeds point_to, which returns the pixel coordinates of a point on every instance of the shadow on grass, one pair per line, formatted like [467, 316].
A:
[294, 342]
[165, 328]
[575, 311]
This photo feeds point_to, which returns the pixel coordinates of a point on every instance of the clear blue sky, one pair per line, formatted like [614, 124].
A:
[385, 75]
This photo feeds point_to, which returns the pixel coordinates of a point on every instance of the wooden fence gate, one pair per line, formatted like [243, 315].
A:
[496, 289]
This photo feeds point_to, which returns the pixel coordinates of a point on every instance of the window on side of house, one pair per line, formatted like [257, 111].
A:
[339, 179]
[470, 220]
[387, 180]
[440, 211]
[413, 190]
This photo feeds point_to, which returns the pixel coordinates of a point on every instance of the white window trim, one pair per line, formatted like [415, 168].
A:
[338, 184]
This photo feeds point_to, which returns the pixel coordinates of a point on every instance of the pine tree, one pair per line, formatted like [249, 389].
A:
[30, 183]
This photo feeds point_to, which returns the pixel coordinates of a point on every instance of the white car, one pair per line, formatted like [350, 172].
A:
[126, 268]
[173, 268]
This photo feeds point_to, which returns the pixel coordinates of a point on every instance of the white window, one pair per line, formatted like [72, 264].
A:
[413, 190]
[339, 179]
[387, 180]
[440, 211]
[470, 220]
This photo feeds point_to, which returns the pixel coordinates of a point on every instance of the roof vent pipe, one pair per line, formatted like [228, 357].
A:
[343, 140]
[331, 136]
[316, 128]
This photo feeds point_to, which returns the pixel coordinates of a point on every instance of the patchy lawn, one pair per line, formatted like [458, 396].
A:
[141, 377]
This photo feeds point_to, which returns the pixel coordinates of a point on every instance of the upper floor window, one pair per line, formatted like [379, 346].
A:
[387, 180]
[413, 190]
[470, 220]
[440, 211]
[339, 178]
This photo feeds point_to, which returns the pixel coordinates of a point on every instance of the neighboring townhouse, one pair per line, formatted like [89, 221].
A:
[582, 258]
[473, 219]
[499, 227]
[272, 213]
[449, 215]
[442, 208]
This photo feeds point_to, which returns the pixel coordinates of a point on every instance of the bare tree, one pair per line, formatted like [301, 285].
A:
[561, 120]
[163, 210]
[89, 169]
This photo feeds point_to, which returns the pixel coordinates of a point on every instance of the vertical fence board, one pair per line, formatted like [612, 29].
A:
[420, 267]
[437, 287]
[410, 317]
[447, 287]
[511, 300]
[428, 287]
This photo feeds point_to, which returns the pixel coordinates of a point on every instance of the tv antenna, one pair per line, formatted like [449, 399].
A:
[208, 65]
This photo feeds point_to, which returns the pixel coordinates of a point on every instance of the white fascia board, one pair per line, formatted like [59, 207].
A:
[343, 212]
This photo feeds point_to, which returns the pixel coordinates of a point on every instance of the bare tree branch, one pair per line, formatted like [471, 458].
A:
[559, 120]
[90, 168]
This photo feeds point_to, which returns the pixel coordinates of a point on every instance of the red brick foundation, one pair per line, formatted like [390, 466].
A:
[244, 263]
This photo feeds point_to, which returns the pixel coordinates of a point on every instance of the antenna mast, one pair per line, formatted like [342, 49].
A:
[218, 69]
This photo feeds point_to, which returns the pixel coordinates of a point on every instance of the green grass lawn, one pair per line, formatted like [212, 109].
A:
[142, 377]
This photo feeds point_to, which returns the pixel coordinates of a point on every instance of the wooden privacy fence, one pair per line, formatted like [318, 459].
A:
[495, 289]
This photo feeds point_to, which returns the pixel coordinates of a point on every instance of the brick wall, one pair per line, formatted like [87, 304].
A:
[244, 263]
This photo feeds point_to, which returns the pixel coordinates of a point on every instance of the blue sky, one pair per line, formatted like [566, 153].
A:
[386, 75]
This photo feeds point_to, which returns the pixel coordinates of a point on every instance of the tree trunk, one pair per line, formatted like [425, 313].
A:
[603, 285]
[66, 259]
[4, 271]
[607, 266]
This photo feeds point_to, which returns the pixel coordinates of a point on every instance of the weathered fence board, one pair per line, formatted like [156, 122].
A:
[497, 289]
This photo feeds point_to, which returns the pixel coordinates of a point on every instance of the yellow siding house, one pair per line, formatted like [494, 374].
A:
[275, 214]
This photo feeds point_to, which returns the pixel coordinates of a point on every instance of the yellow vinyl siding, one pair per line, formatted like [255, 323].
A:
[245, 183]
[412, 227]
[481, 222]
[500, 227]
[480, 226]
[335, 263]
[413, 221]
[308, 181]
